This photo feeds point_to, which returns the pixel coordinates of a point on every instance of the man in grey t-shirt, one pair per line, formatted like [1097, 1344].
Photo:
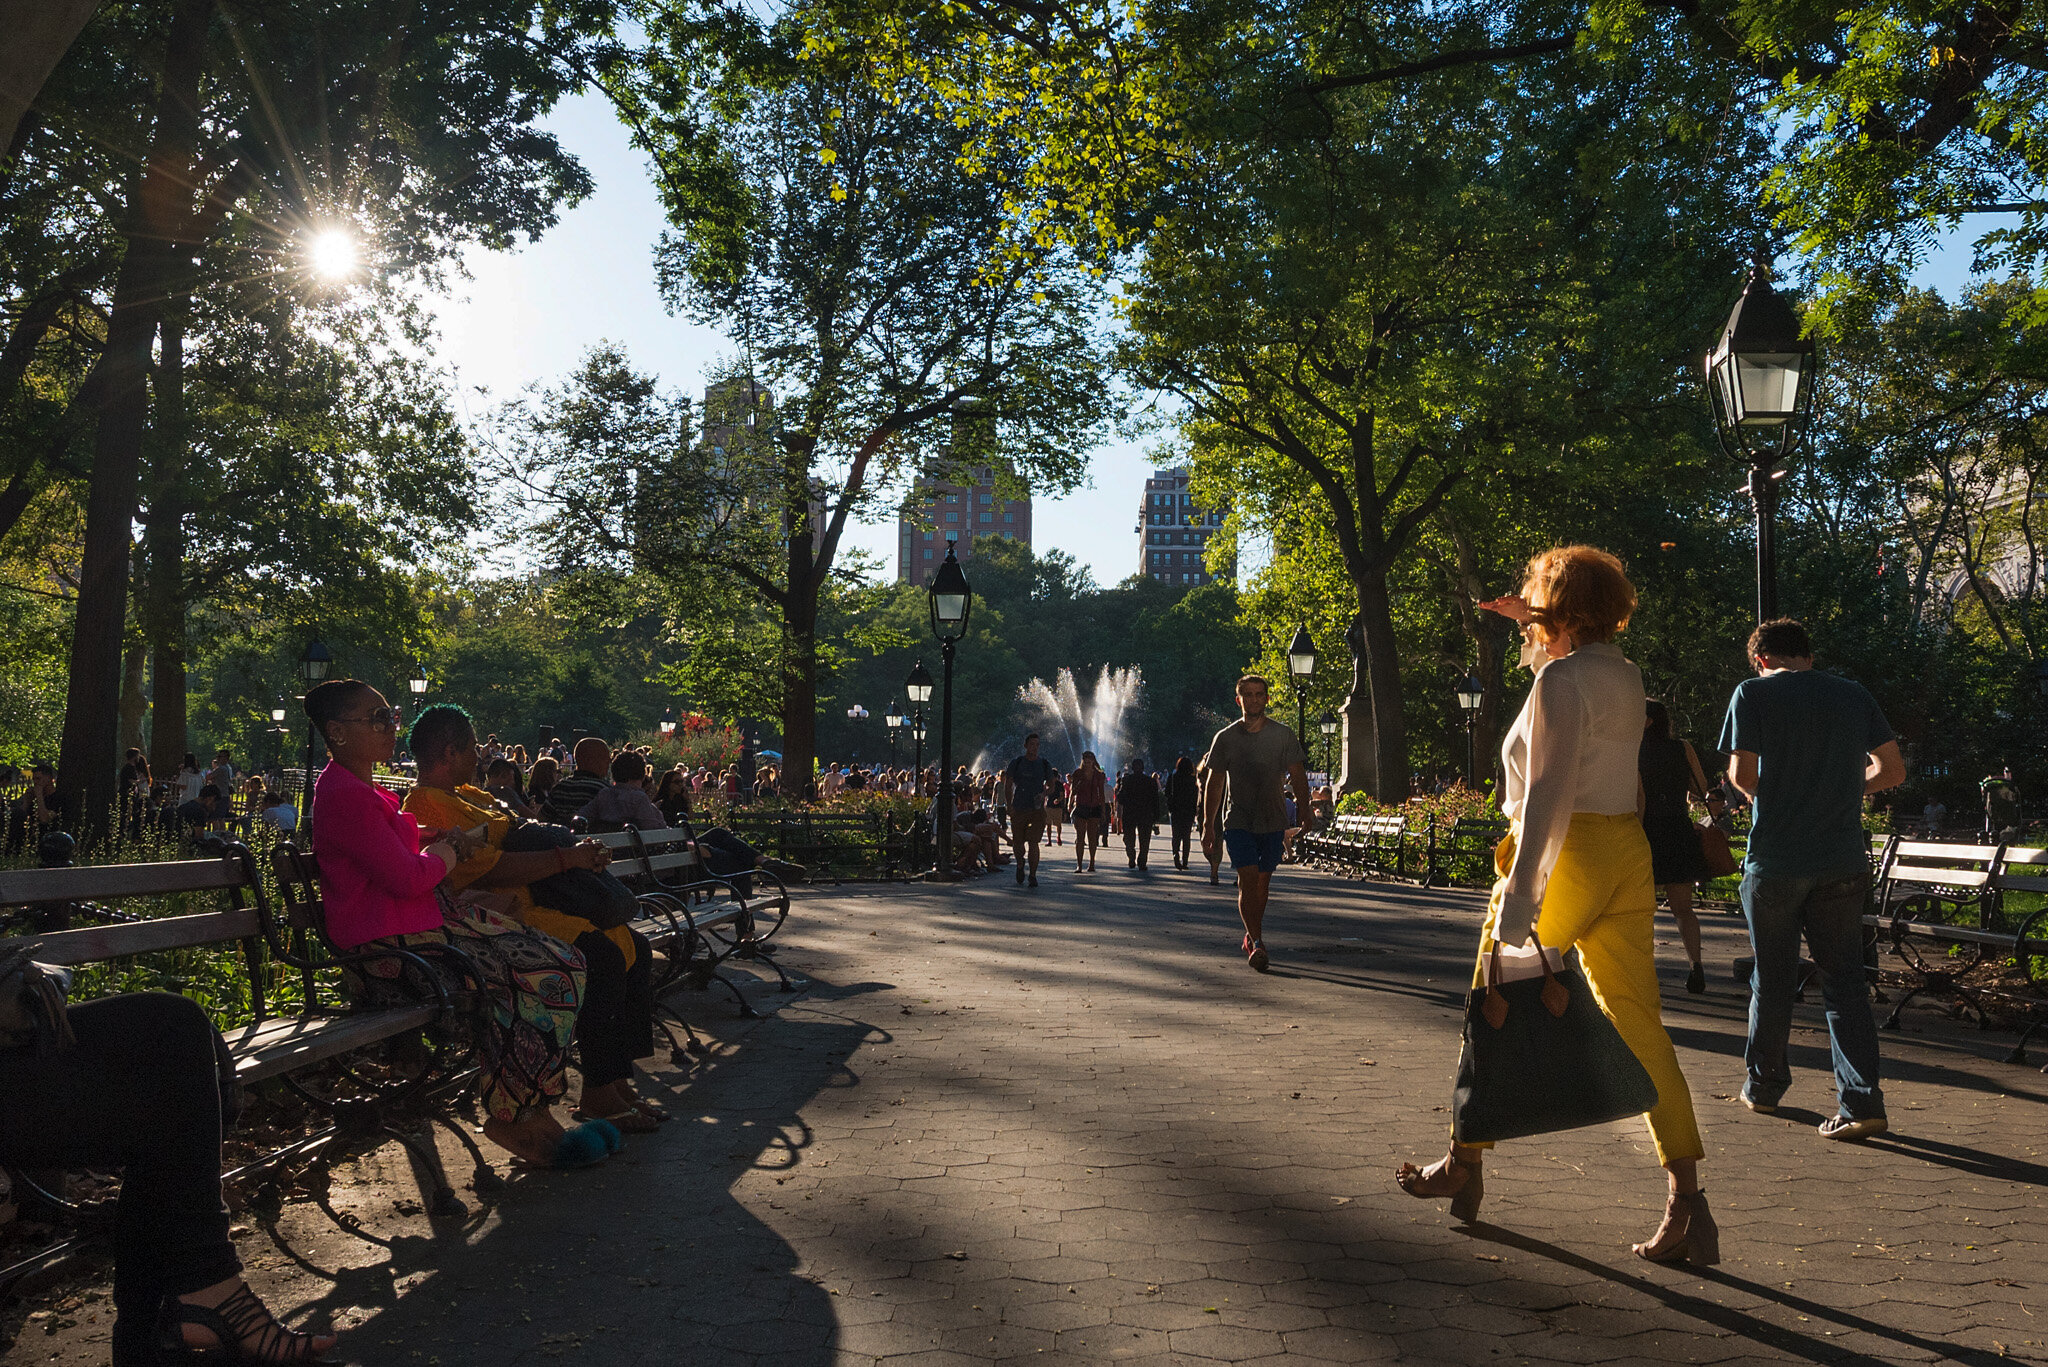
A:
[1253, 758]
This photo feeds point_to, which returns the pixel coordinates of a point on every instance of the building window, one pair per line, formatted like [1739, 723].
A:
[988, 517]
[1009, 517]
[927, 552]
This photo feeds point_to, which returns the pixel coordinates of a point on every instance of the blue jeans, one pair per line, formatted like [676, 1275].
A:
[1830, 912]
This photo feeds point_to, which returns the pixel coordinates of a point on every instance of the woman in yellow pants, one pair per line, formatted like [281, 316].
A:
[1576, 867]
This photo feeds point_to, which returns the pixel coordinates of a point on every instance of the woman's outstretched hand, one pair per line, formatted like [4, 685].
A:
[1512, 606]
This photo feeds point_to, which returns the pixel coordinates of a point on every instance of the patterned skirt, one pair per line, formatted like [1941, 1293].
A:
[523, 1022]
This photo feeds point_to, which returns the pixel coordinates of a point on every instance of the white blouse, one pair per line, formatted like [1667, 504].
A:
[1573, 749]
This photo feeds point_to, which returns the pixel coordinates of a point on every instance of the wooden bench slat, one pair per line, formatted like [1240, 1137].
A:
[88, 944]
[1927, 849]
[1953, 878]
[26, 887]
[282, 1046]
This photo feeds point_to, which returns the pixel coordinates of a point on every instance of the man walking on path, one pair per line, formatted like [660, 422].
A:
[1137, 802]
[1255, 757]
[1807, 748]
[1024, 786]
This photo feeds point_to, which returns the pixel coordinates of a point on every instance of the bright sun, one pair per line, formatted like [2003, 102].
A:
[332, 254]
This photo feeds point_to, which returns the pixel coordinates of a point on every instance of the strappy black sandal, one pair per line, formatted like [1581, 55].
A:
[238, 1318]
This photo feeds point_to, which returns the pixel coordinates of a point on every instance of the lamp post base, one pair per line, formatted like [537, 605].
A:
[944, 876]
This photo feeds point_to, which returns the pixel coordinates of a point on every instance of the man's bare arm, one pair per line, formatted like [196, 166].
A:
[1887, 769]
[1742, 772]
[1212, 800]
[1297, 775]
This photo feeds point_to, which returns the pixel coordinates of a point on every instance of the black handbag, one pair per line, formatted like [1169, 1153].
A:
[587, 894]
[1540, 1057]
[32, 1003]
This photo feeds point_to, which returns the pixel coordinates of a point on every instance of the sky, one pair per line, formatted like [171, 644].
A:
[528, 316]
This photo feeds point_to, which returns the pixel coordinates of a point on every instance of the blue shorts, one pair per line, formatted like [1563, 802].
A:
[1254, 847]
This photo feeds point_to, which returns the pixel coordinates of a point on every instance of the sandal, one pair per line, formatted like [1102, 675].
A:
[238, 1318]
[632, 1120]
[1688, 1233]
[589, 1144]
[1463, 1182]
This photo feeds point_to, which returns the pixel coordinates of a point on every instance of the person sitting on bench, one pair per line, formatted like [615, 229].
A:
[380, 887]
[147, 1086]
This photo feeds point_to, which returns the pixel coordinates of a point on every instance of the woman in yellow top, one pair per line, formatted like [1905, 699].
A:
[616, 1023]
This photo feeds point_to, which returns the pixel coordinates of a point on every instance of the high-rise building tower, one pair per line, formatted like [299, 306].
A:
[937, 507]
[1173, 534]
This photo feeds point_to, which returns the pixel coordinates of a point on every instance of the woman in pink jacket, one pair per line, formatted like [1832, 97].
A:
[380, 887]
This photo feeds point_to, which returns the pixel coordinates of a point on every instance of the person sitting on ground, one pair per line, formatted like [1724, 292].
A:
[35, 811]
[625, 802]
[532, 864]
[379, 888]
[207, 811]
[146, 1086]
[566, 798]
[501, 781]
[280, 813]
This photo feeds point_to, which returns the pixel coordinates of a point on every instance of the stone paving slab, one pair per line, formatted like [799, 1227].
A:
[1069, 1126]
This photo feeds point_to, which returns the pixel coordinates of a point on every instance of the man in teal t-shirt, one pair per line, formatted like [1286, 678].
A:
[1808, 748]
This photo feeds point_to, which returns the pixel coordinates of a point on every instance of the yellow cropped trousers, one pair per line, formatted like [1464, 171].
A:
[1602, 899]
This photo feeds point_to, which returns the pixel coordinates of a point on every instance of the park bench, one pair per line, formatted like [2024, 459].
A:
[283, 1050]
[1373, 846]
[695, 918]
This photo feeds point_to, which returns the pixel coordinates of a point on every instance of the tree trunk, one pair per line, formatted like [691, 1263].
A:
[89, 760]
[162, 609]
[1383, 675]
[134, 707]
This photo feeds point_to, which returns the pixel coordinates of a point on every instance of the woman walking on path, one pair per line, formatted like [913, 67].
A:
[1055, 808]
[1183, 797]
[1091, 793]
[1576, 867]
[1671, 775]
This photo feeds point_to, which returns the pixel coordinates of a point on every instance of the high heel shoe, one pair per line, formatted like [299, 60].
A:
[1463, 1182]
[1688, 1233]
[238, 1318]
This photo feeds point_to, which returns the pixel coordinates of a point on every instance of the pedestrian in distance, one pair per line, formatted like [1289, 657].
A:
[1056, 809]
[1253, 760]
[1671, 776]
[1025, 784]
[1212, 852]
[1137, 803]
[1183, 800]
[1576, 869]
[1807, 748]
[1090, 787]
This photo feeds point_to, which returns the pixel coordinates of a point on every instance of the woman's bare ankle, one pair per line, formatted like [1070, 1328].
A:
[532, 1136]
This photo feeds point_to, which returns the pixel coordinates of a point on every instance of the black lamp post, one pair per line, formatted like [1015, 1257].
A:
[1327, 724]
[919, 690]
[1471, 692]
[1301, 665]
[893, 719]
[668, 722]
[951, 603]
[279, 732]
[417, 684]
[1760, 377]
[314, 664]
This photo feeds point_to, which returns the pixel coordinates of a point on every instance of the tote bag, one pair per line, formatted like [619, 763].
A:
[1540, 1057]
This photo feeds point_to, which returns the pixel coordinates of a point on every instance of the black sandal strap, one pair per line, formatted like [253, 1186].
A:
[239, 1317]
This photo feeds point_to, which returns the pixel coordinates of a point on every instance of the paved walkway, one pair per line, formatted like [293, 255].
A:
[1070, 1127]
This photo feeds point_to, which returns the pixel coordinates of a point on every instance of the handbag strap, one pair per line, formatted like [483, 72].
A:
[1555, 996]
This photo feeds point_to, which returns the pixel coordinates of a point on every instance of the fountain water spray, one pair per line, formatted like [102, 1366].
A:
[1067, 725]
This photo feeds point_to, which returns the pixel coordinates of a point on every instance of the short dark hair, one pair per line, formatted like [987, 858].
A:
[499, 766]
[628, 765]
[210, 790]
[43, 767]
[437, 730]
[1657, 718]
[1030, 736]
[1783, 637]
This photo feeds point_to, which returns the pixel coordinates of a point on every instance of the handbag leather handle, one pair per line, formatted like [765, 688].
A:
[1555, 996]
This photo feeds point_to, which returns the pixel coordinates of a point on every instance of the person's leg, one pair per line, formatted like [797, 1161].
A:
[603, 1032]
[1252, 889]
[1144, 842]
[1017, 842]
[1130, 842]
[1774, 909]
[1834, 932]
[141, 1090]
[1679, 895]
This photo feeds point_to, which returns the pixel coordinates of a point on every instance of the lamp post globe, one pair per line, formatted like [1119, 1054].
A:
[1327, 724]
[952, 604]
[894, 720]
[417, 684]
[668, 722]
[1760, 378]
[1301, 667]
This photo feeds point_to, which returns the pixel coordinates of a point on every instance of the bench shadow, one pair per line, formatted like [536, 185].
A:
[1740, 1322]
[1975, 1162]
[648, 1257]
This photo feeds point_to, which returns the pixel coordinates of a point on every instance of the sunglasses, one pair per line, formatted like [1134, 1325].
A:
[384, 719]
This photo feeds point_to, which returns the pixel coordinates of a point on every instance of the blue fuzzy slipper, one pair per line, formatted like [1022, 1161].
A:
[588, 1145]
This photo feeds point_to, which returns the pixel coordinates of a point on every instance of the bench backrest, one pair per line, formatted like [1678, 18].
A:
[650, 854]
[1353, 824]
[244, 921]
[2023, 869]
[1928, 864]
